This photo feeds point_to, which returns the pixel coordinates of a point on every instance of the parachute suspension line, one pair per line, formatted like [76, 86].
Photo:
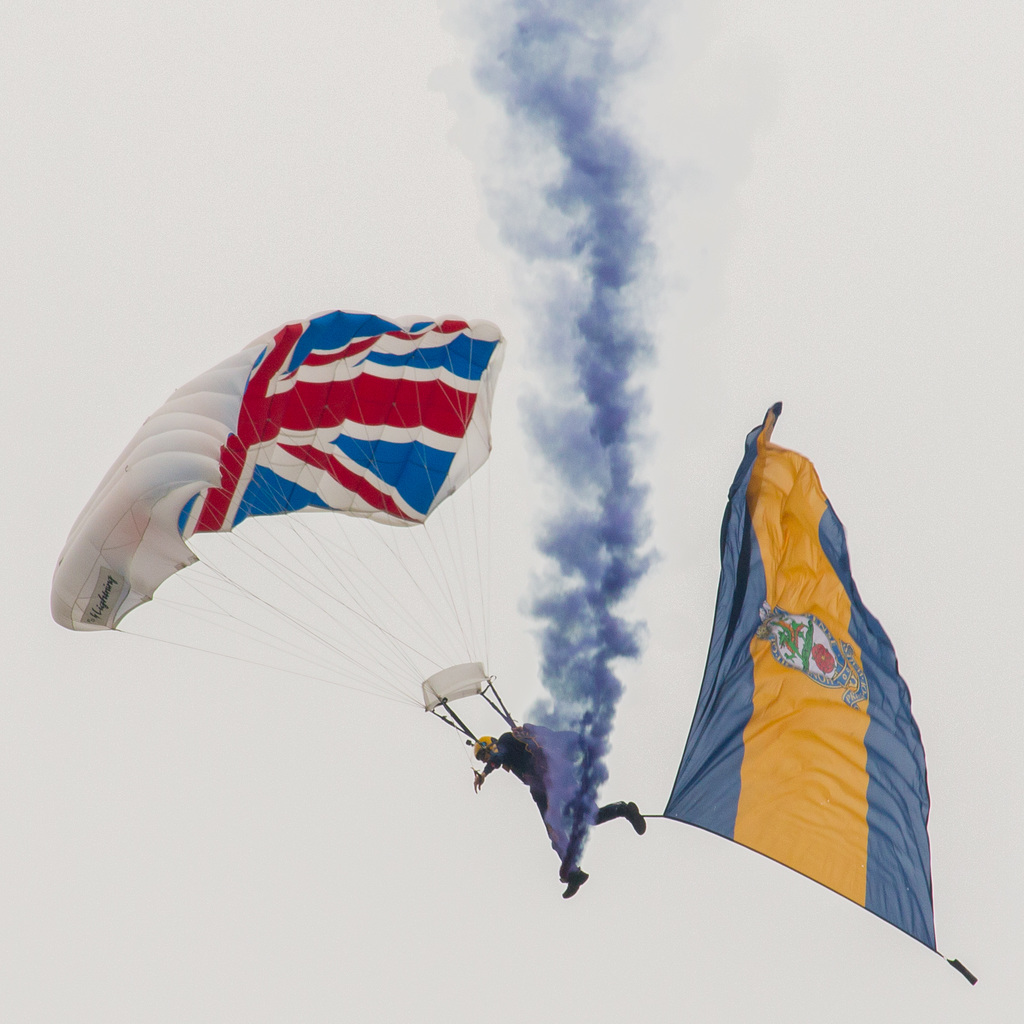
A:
[465, 551]
[369, 676]
[303, 534]
[395, 561]
[459, 550]
[480, 608]
[302, 537]
[266, 561]
[455, 554]
[394, 654]
[436, 573]
[483, 573]
[484, 561]
[248, 631]
[414, 629]
[283, 617]
[435, 560]
[303, 627]
[433, 570]
[401, 699]
[452, 554]
[283, 646]
[300, 527]
[449, 557]
[442, 553]
[387, 539]
[474, 520]
[444, 576]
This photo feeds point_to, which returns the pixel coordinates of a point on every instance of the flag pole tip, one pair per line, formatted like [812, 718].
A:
[963, 970]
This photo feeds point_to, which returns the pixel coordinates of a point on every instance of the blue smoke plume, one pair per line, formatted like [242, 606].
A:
[554, 66]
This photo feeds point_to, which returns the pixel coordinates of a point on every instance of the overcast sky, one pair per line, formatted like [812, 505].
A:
[837, 214]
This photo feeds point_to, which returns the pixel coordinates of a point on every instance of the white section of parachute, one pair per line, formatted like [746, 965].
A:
[125, 542]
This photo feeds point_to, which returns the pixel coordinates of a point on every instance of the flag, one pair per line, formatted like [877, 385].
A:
[803, 746]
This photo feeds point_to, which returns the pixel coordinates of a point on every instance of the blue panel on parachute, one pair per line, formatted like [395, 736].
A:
[415, 470]
[332, 331]
[269, 494]
[463, 356]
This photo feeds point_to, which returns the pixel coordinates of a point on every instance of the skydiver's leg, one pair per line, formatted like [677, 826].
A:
[559, 840]
[540, 798]
[622, 810]
[609, 811]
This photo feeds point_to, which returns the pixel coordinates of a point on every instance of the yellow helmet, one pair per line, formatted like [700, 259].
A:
[485, 747]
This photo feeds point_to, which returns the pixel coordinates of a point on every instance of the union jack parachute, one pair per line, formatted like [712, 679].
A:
[379, 419]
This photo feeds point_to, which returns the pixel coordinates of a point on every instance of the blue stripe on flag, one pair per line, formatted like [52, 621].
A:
[414, 469]
[899, 887]
[707, 787]
[334, 330]
[463, 356]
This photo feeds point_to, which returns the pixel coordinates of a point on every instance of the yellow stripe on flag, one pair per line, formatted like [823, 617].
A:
[803, 797]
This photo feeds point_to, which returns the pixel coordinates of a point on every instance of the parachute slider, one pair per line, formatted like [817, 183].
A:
[455, 683]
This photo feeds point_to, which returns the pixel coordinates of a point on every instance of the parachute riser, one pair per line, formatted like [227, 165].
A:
[458, 725]
[502, 710]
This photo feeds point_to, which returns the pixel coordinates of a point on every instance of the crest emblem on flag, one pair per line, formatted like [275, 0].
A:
[804, 642]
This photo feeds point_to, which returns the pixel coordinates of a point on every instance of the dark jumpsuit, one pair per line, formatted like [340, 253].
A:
[524, 764]
[528, 766]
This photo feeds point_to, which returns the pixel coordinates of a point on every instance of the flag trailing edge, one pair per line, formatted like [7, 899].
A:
[803, 746]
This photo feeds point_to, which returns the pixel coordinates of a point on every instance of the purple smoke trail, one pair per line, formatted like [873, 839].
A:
[553, 65]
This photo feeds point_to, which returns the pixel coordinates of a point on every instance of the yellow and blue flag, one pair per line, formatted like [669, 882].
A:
[803, 746]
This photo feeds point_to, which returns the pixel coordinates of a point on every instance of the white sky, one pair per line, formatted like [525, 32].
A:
[838, 219]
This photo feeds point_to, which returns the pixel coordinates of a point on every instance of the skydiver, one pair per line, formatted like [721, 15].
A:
[520, 753]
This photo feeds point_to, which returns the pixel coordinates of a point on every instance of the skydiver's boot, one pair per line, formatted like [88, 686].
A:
[621, 809]
[636, 819]
[575, 879]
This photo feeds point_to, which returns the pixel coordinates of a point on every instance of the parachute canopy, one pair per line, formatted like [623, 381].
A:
[348, 412]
